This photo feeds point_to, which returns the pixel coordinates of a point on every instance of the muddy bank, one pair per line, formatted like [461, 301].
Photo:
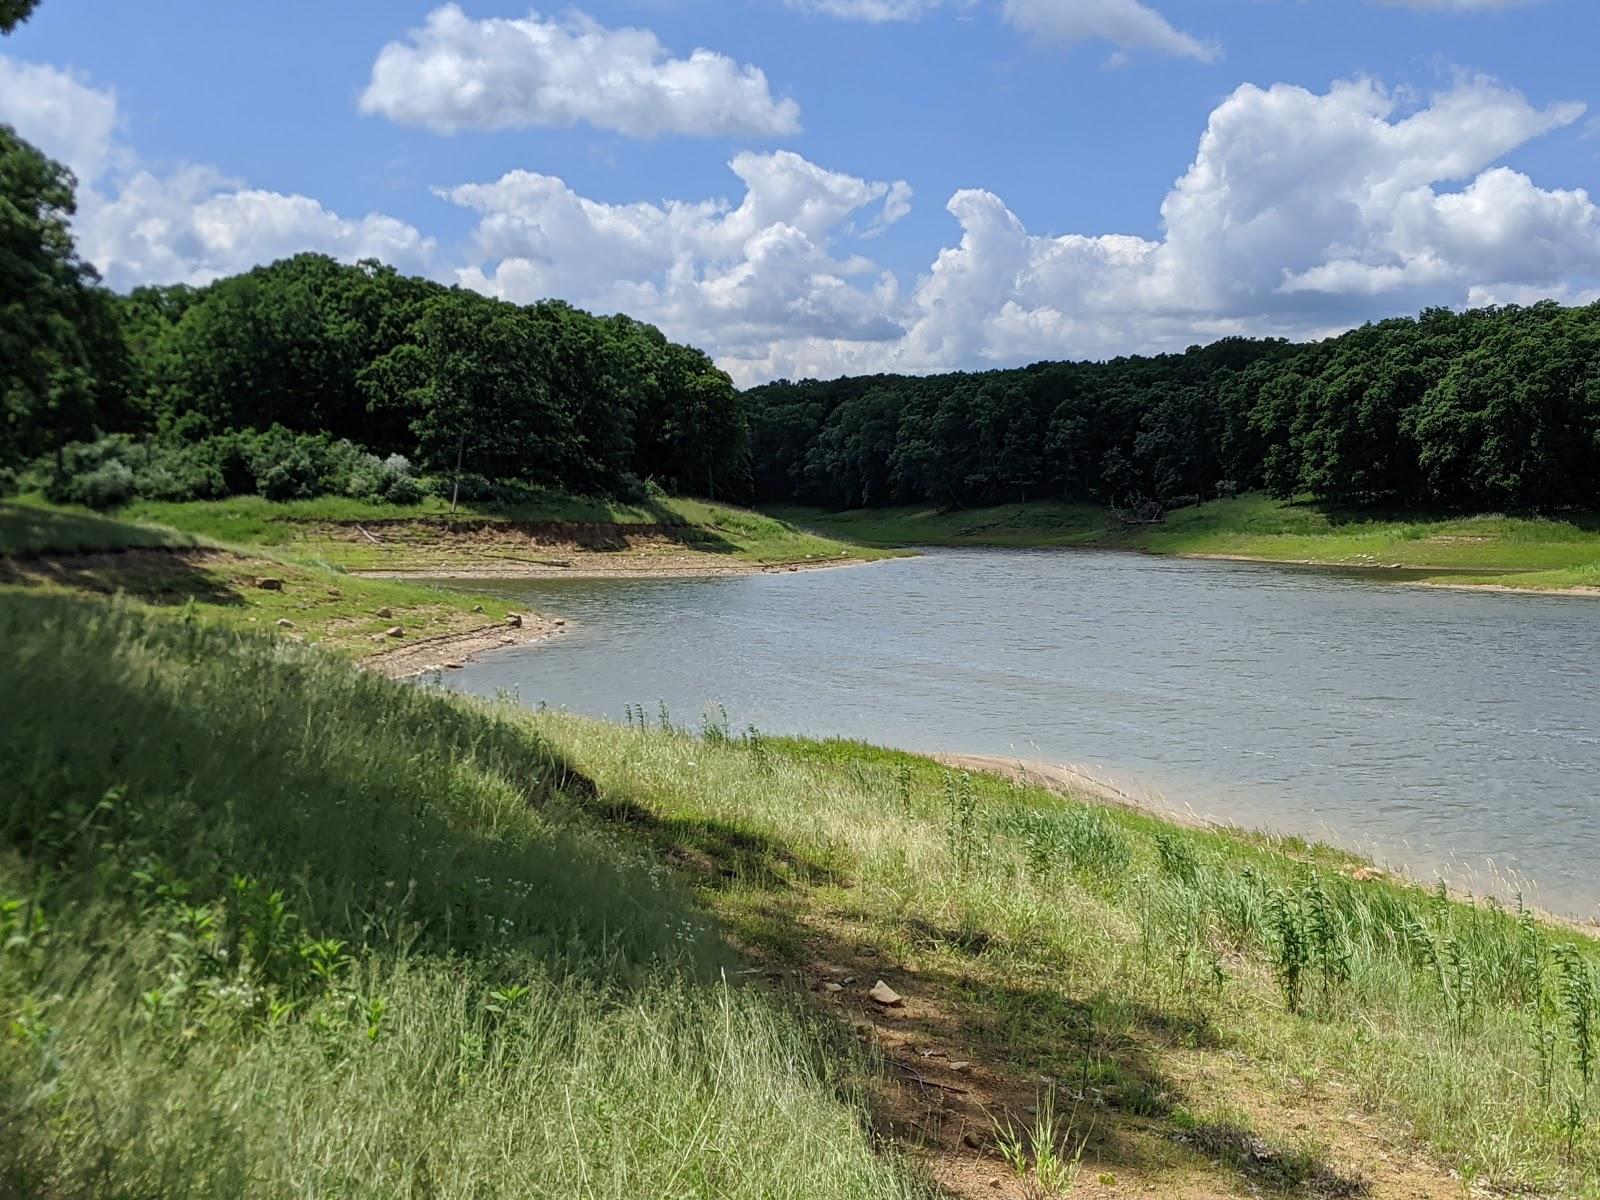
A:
[452, 650]
[604, 566]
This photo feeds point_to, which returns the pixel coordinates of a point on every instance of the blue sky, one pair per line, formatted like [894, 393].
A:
[925, 184]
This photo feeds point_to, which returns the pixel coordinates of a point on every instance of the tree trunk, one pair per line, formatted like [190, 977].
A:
[455, 492]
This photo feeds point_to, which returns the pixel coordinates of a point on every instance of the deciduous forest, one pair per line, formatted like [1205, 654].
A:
[308, 377]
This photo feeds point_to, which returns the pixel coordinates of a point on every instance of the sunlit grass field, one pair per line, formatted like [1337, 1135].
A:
[65, 551]
[270, 926]
[326, 529]
[273, 926]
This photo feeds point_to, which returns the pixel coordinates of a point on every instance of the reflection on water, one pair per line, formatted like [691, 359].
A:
[1444, 731]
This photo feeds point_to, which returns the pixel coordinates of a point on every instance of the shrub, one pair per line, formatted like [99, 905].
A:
[385, 480]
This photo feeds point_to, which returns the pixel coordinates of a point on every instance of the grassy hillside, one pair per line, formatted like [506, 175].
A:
[273, 926]
[71, 552]
[270, 927]
[355, 535]
[1510, 551]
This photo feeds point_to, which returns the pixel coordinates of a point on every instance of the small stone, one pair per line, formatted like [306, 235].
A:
[454, 666]
[830, 986]
[848, 980]
[960, 1067]
[334, 593]
[394, 631]
[383, 614]
[285, 623]
[885, 995]
[514, 620]
[559, 621]
[270, 585]
[972, 1140]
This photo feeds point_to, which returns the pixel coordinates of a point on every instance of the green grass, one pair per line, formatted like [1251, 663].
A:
[29, 527]
[1080, 942]
[325, 529]
[1508, 551]
[269, 927]
[272, 926]
[68, 551]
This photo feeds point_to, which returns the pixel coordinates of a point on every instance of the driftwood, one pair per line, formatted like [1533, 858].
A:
[376, 541]
[1143, 512]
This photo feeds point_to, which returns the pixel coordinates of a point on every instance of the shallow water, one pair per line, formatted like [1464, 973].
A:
[1445, 732]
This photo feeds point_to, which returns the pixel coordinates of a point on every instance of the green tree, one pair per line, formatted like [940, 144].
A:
[15, 12]
[60, 349]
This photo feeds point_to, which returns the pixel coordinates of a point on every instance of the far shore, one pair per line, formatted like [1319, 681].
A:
[678, 568]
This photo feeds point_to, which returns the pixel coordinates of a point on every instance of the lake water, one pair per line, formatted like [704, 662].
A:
[1445, 732]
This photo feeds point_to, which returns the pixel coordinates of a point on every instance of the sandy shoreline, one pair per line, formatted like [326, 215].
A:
[614, 570]
[1398, 567]
[1059, 777]
[451, 650]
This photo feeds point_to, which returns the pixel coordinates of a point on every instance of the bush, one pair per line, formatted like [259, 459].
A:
[98, 474]
[385, 480]
[276, 463]
[108, 485]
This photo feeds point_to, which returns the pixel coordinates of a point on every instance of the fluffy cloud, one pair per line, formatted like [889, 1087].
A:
[735, 278]
[74, 121]
[1461, 5]
[1301, 213]
[1125, 23]
[191, 225]
[875, 11]
[456, 73]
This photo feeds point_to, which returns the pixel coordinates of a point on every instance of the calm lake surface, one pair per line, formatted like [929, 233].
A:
[1445, 732]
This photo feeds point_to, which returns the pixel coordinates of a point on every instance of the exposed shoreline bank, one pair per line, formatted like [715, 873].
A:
[1558, 555]
[452, 650]
[678, 569]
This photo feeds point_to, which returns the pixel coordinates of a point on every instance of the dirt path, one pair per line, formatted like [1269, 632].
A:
[951, 1084]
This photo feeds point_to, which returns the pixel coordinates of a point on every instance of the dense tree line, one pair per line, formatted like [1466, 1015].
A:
[288, 379]
[1494, 408]
[308, 376]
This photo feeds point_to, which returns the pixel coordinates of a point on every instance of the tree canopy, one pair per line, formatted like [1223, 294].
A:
[312, 374]
[1494, 408]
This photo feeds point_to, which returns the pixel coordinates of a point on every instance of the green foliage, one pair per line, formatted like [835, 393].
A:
[15, 12]
[270, 926]
[62, 363]
[1492, 409]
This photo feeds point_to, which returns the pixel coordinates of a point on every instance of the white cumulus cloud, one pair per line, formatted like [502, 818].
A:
[1302, 213]
[187, 226]
[458, 73]
[730, 277]
[1128, 24]
[1461, 6]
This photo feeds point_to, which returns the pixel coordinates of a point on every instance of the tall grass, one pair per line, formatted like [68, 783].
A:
[1474, 1026]
[272, 927]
